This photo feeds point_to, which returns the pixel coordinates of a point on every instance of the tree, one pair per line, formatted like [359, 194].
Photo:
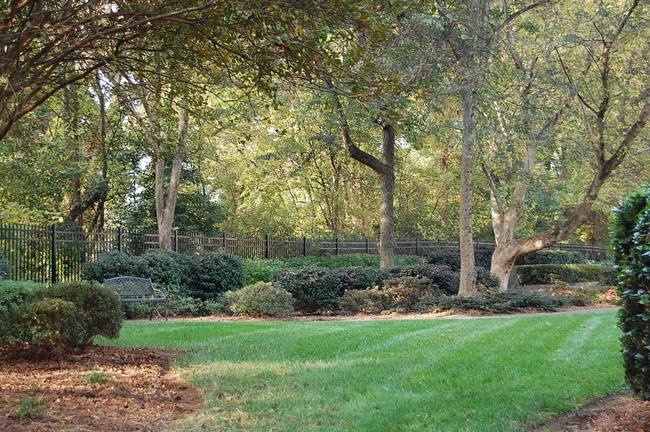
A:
[607, 102]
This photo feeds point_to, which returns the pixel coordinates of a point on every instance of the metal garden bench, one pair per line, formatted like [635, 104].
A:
[134, 289]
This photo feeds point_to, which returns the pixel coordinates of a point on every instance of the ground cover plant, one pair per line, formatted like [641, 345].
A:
[488, 374]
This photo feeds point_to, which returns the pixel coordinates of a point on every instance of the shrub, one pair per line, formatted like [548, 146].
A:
[356, 278]
[260, 299]
[552, 256]
[585, 295]
[404, 293]
[451, 257]
[211, 274]
[632, 257]
[446, 279]
[164, 267]
[369, 301]
[261, 270]
[551, 273]
[313, 288]
[113, 264]
[12, 295]
[501, 302]
[485, 282]
[102, 307]
[52, 327]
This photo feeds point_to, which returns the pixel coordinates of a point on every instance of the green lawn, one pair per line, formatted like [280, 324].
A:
[487, 374]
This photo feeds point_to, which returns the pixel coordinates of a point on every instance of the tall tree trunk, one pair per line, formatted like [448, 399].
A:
[166, 200]
[387, 211]
[467, 262]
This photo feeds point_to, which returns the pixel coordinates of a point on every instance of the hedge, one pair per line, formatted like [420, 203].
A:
[569, 273]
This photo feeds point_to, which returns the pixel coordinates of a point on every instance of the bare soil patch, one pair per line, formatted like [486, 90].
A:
[136, 392]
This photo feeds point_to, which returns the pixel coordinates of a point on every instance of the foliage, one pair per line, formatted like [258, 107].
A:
[260, 299]
[552, 256]
[355, 278]
[632, 257]
[31, 408]
[113, 264]
[262, 270]
[210, 274]
[368, 301]
[313, 288]
[585, 295]
[12, 295]
[5, 268]
[443, 276]
[164, 267]
[501, 302]
[451, 257]
[52, 327]
[485, 281]
[103, 308]
[551, 273]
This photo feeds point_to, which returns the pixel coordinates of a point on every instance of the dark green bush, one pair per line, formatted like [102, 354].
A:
[211, 274]
[632, 256]
[164, 267]
[552, 256]
[485, 281]
[313, 288]
[102, 307]
[446, 279]
[451, 257]
[114, 264]
[355, 278]
[368, 301]
[52, 327]
[501, 302]
[551, 273]
[260, 299]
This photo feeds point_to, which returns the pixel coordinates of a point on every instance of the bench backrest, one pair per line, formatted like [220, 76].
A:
[129, 286]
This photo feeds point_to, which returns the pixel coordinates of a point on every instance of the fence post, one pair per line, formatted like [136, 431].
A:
[337, 246]
[120, 233]
[267, 247]
[175, 240]
[223, 241]
[54, 275]
[368, 246]
[304, 246]
[417, 247]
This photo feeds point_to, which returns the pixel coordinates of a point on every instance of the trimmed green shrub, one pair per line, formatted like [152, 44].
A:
[113, 264]
[313, 288]
[102, 307]
[368, 301]
[356, 278]
[52, 327]
[164, 267]
[260, 299]
[632, 257]
[12, 295]
[404, 293]
[211, 274]
[551, 273]
[451, 257]
[446, 279]
[501, 302]
[552, 256]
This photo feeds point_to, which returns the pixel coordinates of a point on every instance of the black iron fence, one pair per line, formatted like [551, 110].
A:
[50, 254]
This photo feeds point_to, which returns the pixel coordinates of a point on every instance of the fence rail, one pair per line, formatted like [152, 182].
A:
[50, 254]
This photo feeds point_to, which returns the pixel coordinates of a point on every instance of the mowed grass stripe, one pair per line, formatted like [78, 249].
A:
[497, 374]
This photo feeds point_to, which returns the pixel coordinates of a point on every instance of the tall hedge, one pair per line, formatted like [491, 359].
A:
[632, 257]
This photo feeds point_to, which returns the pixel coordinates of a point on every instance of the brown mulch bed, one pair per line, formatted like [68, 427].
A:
[136, 392]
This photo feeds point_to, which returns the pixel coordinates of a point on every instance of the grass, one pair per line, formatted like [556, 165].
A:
[489, 374]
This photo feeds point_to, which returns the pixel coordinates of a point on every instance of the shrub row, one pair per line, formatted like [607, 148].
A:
[501, 302]
[571, 273]
[202, 276]
[47, 322]
[552, 256]
[451, 257]
[632, 257]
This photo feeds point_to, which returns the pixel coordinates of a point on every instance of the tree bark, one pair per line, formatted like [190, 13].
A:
[387, 210]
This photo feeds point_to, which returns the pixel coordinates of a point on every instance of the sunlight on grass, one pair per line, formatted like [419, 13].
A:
[492, 374]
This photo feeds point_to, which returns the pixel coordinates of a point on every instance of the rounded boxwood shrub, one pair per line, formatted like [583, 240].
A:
[164, 267]
[12, 295]
[313, 288]
[52, 327]
[632, 256]
[211, 274]
[102, 306]
[260, 299]
[113, 264]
